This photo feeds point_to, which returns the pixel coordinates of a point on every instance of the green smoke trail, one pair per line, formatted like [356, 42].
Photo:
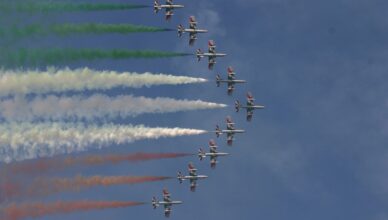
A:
[55, 56]
[31, 6]
[66, 29]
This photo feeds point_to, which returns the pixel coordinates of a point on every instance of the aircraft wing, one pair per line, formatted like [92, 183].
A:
[167, 211]
[168, 16]
[169, 13]
[193, 37]
[213, 161]
[166, 194]
[212, 61]
[230, 137]
[249, 114]
[230, 87]
[193, 185]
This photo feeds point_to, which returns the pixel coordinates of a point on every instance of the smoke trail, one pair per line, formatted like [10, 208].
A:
[46, 187]
[20, 141]
[35, 210]
[54, 56]
[56, 108]
[52, 80]
[33, 6]
[66, 29]
[48, 164]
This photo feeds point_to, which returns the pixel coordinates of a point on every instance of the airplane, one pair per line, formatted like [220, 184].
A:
[213, 154]
[250, 107]
[192, 30]
[169, 6]
[211, 54]
[167, 203]
[193, 177]
[230, 130]
[231, 81]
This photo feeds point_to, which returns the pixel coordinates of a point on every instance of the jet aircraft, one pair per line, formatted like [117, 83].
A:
[211, 54]
[167, 203]
[192, 177]
[250, 107]
[230, 81]
[169, 6]
[192, 30]
[213, 154]
[230, 130]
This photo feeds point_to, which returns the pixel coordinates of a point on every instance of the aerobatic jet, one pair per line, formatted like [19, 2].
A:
[231, 81]
[230, 130]
[250, 107]
[213, 154]
[192, 30]
[169, 6]
[167, 203]
[193, 177]
[211, 54]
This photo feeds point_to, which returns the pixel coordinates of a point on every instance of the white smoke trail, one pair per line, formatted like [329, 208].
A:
[20, 141]
[52, 80]
[94, 107]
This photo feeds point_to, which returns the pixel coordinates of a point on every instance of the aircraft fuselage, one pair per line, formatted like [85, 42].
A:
[219, 154]
[233, 131]
[212, 54]
[170, 6]
[170, 203]
[253, 107]
[194, 177]
[195, 31]
[233, 81]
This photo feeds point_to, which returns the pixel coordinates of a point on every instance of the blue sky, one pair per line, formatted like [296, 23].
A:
[318, 151]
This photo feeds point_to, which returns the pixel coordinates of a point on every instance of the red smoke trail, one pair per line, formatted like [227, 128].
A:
[44, 165]
[34, 210]
[49, 186]
[8, 190]
[44, 187]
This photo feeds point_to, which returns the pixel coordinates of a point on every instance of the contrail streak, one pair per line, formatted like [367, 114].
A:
[66, 29]
[35, 210]
[54, 164]
[34, 6]
[54, 108]
[20, 141]
[56, 55]
[52, 80]
[47, 186]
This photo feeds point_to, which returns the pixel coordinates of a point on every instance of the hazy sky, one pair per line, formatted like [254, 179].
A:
[318, 150]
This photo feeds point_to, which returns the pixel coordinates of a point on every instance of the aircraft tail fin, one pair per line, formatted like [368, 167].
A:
[180, 30]
[237, 105]
[180, 177]
[156, 6]
[154, 202]
[218, 131]
[218, 80]
[199, 54]
[201, 154]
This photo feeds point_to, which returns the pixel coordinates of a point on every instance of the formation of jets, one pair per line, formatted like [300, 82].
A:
[193, 31]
